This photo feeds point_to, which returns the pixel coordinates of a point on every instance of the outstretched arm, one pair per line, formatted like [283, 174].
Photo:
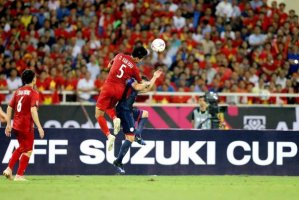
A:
[147, 86]
[139, 86]
[157, 74]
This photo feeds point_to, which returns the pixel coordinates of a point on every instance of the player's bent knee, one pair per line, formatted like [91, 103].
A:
[99, 113]
[130, 137]
[28, 153]
[144, 114]
[97, 116]
[96, 113]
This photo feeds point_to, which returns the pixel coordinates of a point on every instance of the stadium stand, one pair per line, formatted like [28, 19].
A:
[221, 46]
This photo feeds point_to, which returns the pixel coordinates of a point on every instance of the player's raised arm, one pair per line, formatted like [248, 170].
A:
[148, 85]
[139, 86]
[157, 74]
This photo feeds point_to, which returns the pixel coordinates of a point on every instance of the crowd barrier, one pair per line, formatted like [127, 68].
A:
[167, 152]
[249, 118]
[234, 97]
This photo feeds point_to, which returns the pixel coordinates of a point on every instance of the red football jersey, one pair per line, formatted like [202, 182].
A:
[24, 98]
[123, 68]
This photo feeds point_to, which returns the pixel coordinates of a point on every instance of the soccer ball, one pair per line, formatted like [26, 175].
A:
[158, 45]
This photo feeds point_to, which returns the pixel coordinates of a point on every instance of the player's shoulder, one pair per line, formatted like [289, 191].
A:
[26, 88]
[20, 89]
[32, 90]
[128, 56]
[119, 55]
[35, 91]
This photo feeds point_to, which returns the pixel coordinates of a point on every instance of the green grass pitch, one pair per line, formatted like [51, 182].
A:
[151, 187]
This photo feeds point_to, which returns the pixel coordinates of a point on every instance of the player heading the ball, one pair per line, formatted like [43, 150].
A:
[122, 67]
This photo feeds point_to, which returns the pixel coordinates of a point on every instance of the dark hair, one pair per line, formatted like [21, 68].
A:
[144, 78]
[13, 69]
[282, 4]
[28, 76]
[139, 52]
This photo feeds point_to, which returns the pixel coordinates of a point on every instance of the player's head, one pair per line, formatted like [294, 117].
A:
[139, 52]
[28, 77]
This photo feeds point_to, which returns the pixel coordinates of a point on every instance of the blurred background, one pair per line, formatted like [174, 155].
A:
[244, 51]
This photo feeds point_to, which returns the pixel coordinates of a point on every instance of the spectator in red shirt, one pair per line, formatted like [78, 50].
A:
[271, 65]
[70, 84]
[41, 83]
[86, 27]
[209, 17]
[3, 86]
[282, 14]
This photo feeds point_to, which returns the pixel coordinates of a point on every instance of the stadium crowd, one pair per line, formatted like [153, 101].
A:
[222, 46]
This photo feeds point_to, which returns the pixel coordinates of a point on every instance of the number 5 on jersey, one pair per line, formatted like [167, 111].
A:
[121, 69]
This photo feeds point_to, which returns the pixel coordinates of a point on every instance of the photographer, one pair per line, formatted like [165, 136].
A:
[201, 116]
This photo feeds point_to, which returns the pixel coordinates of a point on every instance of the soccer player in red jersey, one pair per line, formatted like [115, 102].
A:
[122, 67]
[24, 103]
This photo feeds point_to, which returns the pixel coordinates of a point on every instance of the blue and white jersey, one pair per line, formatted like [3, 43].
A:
[129, 96]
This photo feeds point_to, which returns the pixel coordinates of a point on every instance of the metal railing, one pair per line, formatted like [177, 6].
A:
[193, 96]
